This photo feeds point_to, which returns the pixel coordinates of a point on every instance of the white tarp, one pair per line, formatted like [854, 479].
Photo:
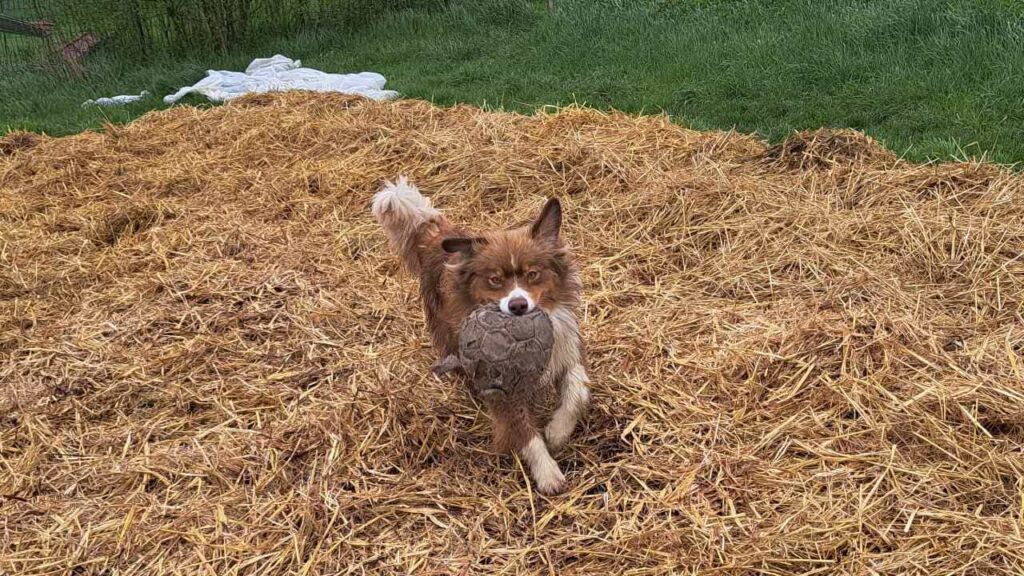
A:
[281, 73]
[116, 100]
[268, 75]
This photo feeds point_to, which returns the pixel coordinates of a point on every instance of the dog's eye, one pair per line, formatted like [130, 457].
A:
[495, 281]
[533, 276]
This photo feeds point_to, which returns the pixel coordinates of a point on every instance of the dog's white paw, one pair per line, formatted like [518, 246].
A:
[543, 469]
[550, 481]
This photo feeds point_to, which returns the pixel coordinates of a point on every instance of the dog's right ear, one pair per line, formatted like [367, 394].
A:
[465, 246]
[549, 223]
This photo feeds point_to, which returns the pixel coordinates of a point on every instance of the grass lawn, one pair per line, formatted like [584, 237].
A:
[931, 79]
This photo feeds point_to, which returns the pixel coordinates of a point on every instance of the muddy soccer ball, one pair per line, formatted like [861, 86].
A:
[503, 354]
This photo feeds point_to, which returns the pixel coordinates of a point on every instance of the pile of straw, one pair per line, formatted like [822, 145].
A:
[807, 359]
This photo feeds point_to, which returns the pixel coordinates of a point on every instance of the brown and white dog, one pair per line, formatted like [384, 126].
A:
[520, 269]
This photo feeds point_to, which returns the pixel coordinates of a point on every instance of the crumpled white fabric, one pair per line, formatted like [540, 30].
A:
[116, 100]
[281, 73]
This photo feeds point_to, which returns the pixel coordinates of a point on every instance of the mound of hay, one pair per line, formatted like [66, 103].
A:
[210, 363]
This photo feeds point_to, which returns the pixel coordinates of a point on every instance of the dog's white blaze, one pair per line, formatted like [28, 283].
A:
[516, 292]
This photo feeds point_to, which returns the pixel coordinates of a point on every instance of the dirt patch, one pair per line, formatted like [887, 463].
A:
[825, 149]
[17, 141]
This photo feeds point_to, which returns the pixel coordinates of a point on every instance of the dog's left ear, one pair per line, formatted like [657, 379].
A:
[465, 246]
[549, 223]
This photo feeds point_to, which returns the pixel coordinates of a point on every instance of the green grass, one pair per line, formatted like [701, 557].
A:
[932, 79]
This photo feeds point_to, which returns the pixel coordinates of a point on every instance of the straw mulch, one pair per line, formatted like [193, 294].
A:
[807, 359]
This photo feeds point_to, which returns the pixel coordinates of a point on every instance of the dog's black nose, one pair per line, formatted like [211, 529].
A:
[518, 306]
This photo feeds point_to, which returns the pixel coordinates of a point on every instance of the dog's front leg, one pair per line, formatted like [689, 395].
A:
[575, 397]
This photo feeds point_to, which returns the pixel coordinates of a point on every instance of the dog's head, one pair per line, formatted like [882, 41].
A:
[519, 269]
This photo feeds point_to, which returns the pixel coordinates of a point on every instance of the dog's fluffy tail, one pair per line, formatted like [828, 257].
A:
[403, 213]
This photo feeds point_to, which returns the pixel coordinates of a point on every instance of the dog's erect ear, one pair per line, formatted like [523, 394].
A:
[465, 246]
[549, 223]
